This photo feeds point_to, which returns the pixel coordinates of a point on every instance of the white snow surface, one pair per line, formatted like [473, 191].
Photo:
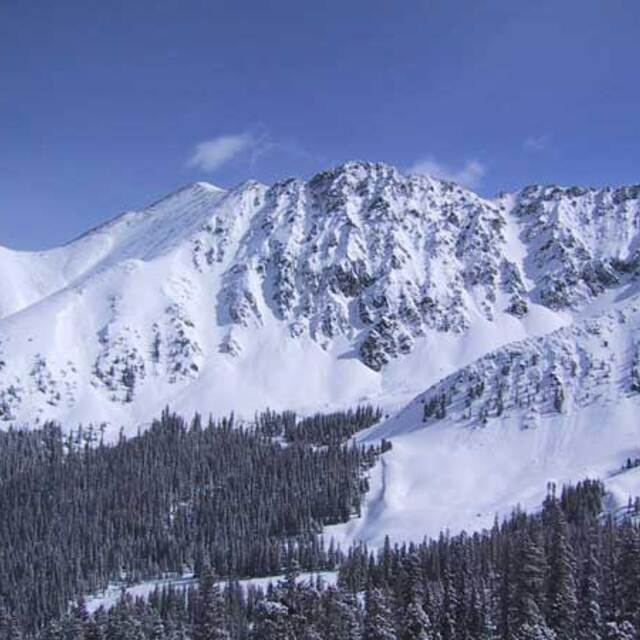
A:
[359, 285]
[558, 408]
[110, 596]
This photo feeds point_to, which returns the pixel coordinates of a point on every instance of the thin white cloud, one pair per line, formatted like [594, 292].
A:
[469, 175]
[210, 155]
[536, 143]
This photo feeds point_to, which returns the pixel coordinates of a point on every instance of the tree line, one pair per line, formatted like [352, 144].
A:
[78, 513]
[227, 501]
[566, 573]
[320, 429]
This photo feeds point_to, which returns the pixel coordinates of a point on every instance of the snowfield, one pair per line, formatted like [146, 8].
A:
[447, 477]
[558, 408]
[500, 335]
[110, 596]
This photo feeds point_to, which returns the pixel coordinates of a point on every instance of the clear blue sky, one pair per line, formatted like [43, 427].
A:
[106, 105]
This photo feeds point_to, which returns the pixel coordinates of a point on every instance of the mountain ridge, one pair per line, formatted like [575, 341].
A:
[351, 279]
[490, 437]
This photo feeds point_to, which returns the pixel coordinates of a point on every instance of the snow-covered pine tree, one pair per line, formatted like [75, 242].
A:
[271, 622]
[620, 631]
[589, 618]
[628, 575]
[341, 617]
[561, 586]
[210, 622]
[529, 584]
[448, 628]
[417, 625]
[378, 621]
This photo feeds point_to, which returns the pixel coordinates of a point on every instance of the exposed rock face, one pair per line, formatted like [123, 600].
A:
[359, 256]
[581, 241]
[592, 361]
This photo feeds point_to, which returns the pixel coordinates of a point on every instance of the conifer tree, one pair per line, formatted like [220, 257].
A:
[378, 624]
[340, 619]
[561, 590]
[628, 575]
[417, 624]
[620, 631]
[210, 622]
[448, 628]
[529, 575]
[412, 579]
[53, 631]
[589, 619]
[272, 622]
[480, 623]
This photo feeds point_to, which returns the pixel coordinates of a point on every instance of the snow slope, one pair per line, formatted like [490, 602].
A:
[361, 284]
[557, 408]
[504, 331]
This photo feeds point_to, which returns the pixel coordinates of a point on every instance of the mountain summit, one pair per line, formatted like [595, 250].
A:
[359, 284]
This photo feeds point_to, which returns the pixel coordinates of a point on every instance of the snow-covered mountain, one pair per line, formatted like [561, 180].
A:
[359, 284]
[557, 408]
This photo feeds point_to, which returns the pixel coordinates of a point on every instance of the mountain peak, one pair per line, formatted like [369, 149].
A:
[358, 272]
[357, 169]
[189, 191]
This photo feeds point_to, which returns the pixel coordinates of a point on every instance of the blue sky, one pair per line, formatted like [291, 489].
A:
[106, 105]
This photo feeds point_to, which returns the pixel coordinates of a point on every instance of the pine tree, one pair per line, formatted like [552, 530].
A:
[210, 622]
[589, 619]
[94, 630]
[448, 628]
[9, 628]
[416, 624]
[378, 623]
[480, 625]
[620, 631]
[628, 575]
[295, 597]
[507, 616]
[529, 575]
[561, 591]
[157, 630]
[272, 622]
[53, 631]
[79, 620]
[412, 580]
[310, 633]
[340, 616]
[609, 567]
